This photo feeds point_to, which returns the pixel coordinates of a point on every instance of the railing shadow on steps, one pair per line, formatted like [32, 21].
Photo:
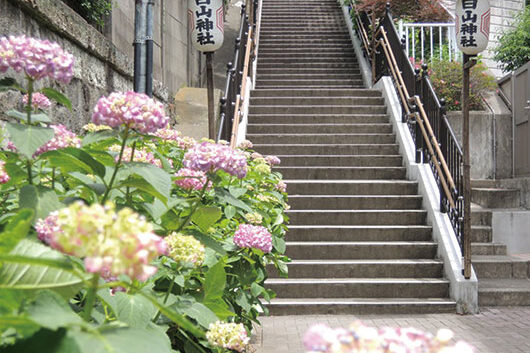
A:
[237, 73]
[422, 110]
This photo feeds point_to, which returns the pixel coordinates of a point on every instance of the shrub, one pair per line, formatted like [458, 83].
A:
[94, 11]
[513, 50]
[415, 10]
[130, 235]
[446, 77]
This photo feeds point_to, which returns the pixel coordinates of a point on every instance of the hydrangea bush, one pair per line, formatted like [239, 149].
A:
[129, 233]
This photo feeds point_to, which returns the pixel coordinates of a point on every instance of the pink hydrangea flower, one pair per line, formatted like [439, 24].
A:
[319, 338]
[111, 243]
[141, 155]
[281, 186]
[245, 144]
[190, 179]
[250, 236]
[4, 177]
[167, 133]
[186, 142]
[135, 110]
[37, 58]
[63, 138]
[38, 101]
[211, 157]
[272, 160]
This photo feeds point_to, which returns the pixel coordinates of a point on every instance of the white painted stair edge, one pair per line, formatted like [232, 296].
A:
[463, 291]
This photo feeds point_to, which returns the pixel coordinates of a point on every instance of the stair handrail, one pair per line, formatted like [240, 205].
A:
[424, 113]
[234, 98]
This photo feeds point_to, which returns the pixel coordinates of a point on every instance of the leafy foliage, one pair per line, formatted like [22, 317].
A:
[415, 11]
[51, 300]
[513, 50]
[94, 11]
[446, 77]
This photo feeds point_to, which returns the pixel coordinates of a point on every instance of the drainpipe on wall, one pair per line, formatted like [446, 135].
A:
[140, 11]
[149, 48]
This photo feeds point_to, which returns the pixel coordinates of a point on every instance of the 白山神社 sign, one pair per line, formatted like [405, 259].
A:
[205, 18]
[472, 25]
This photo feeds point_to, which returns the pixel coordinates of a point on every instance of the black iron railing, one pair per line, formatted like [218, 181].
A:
[423, 112]
[236, 72]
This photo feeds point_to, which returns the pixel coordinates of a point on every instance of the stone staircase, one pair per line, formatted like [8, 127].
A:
[502, 279]
[358, 235]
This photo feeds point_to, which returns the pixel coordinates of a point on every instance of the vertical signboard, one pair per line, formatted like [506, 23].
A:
[205, 18]
[472, 25]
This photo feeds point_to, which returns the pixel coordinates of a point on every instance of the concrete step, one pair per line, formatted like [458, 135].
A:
[308, 55]
[307, 64]
[316, 109]
[304, 38]
[360, 250]
[314, 44]
[351, 187]
[357, 217]
[287, 61]
[488, 249]
[359, 233]
[312, 119]
[308, 76]
[504, 292]
[314, 93]
[341, 83]
[500, 266]
[358, 287]
[398, 268]
[309, 71]
[320, 128]
[496, 198]
[484, 183]
[357, 306]
[481, 234]
[336, 173]
[480, 217]
[321, 138]
[326, 101]
[327, 149]
[370, 202]
[353, 161]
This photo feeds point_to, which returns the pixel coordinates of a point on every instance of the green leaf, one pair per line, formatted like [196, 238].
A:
[57, 96]
[40, 199]
[230, 211]
[98, 136]
[207, 241]
[205, 217]
[27, 139]
[39, 117]
[134, 310]
[197, 311]
[279, 244]
[140, 184]
[237, 192]
[32, 276]
[214, 282]
[243, 301]
[226, 197]
[157, 177]
[256, 289]
[16, 230]
[51, 311]
[72, 159]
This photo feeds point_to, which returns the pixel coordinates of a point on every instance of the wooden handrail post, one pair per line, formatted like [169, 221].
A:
[373, 47]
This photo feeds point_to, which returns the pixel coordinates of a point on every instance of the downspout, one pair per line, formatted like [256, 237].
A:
[149, 49]
[140, 10]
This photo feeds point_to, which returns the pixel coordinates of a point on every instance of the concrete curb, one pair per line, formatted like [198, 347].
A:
[464, 292]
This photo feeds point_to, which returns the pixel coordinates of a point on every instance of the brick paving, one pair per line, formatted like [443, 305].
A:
[494, 330]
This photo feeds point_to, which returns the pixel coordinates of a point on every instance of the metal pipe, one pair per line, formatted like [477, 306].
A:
[139, 45]
[149, 48]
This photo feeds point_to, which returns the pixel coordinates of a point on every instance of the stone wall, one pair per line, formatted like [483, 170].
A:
[100, 67]
[176, 63]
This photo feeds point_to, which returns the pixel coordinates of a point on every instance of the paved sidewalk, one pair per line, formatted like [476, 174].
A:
[494, 330]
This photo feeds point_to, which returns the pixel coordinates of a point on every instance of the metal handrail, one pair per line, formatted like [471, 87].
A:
[237, 73]
[424, 113]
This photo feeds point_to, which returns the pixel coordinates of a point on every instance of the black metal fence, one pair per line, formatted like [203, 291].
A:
[417, 83]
